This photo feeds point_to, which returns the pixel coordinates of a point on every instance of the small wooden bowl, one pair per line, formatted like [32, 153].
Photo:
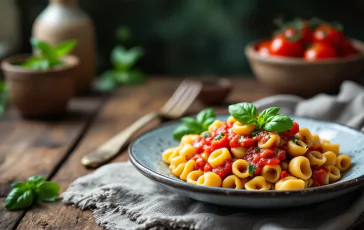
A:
[214, 91]
[300, 77]
[40, 93]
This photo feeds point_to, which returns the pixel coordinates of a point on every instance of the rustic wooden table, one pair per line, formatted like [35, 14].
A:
[53, 149]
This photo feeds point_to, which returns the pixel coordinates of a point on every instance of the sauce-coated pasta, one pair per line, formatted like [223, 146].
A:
[238, 156]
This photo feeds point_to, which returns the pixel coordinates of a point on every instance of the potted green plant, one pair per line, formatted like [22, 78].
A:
[41, 85]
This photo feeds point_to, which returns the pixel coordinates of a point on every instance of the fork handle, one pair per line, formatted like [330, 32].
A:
[112, 147]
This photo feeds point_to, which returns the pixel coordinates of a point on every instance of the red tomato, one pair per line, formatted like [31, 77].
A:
[295, 128]
[284, 174]
[223, 142]
[207, 168]
[347, 49]
[304, 35]
[327, 34]
[319, 51]
[318, 176]
[263, 48]
[223, 170]
[283, 46]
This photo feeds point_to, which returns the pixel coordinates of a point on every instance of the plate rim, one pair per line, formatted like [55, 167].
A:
[180, 184]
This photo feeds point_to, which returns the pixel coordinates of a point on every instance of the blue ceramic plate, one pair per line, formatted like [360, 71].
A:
[146, 155]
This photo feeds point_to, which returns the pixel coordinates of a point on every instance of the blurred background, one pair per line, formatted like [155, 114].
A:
[181, 37]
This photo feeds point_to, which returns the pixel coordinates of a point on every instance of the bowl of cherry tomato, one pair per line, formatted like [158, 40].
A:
[306, 57]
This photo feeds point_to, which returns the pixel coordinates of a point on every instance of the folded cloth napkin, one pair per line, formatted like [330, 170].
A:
[121, 198]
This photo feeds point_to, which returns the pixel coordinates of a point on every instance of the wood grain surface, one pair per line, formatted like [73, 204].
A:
[56, 150]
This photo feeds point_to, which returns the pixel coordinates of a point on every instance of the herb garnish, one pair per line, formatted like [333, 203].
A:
[48, 56]
[251, 169]
[268, 119]
[195, 126]
[295, 140]
[256, 150]
[219, 136]
[24, 194]
[206, 134]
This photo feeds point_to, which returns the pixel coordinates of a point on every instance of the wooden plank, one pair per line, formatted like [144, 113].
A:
[30, 147]
[119, 112]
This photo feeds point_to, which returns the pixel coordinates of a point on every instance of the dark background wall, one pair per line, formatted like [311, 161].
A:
[197, 37]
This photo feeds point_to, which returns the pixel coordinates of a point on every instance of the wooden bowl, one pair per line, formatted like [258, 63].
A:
[40, 93]
[304, 78]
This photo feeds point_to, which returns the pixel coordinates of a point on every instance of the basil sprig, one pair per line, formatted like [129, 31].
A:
[24, 194]
[269, 119]
[195, 126]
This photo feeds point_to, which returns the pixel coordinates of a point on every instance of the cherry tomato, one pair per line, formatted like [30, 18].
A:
[223, 170]
[329, 35]
[347, 49]
[263, 48]
[283, 46]
[295, 128]
[319, 51]
[304, 35]
[207, 168]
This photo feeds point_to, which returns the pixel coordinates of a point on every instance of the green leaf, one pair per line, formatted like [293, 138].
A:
[124, 59]
[44, 49]
[182, 130]
[129, 77]
[192, 123]
[48, 191]
[208, 122]
[35, 180]
[19, 198]
[205, 114]
[244, 112]
[251, 169]
[206, 134]
[19, 185]
[278, 123]
[65, 48]
[265, 114]
[4, 96]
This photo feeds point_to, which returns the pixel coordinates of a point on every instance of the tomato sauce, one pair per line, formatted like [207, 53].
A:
[223, 137]
[318, 175]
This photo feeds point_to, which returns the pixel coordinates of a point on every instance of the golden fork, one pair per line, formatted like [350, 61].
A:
[174, 108]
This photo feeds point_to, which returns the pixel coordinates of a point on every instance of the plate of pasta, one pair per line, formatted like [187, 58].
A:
[252, 159]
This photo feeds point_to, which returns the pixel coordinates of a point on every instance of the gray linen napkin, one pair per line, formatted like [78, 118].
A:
[121, 198]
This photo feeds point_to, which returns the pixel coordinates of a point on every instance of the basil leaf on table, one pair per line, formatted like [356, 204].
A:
[278, 123]
[24, 194]
[244, 112]
[19, 198]
[208, 122]
[47, 191]
[192, 123]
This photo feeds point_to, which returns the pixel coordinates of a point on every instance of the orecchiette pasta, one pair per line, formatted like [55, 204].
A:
[343, 162]
[209, 179]
[300, 167]
[234, 155]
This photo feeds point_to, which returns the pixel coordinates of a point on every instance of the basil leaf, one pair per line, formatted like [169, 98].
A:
[123, 59]
[184, 129]
[19, 185]
[192, 123]
[208, 122]
[206, 134]
[244, 112]
[269, 112]
[44, 49]
[65, 48]
[129, 77]
[19, 198]
[48, 191]
[251, 169]
[278, 123]
[205, 114]
[219, 136]
[35, 180]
